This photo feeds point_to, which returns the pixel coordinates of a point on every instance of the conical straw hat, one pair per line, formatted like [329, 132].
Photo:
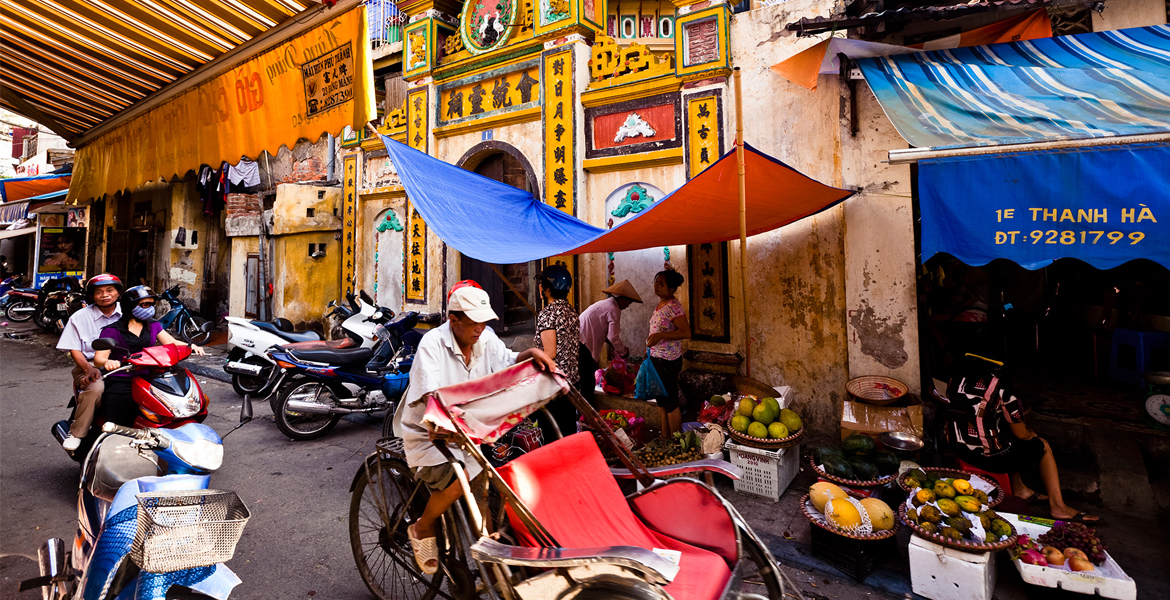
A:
[624, 289]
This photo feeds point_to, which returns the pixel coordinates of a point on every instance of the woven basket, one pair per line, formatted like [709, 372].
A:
[808, 509]
[965, 545]
[876, 390]
[766, 444]
[850, 482]
[995, 497]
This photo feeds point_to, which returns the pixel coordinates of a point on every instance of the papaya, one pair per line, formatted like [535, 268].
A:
[950, 532]
[863, 468]
[984, 520]
[858, 444]
[948, 507]
[918, 474]
[968, 504]
[925, 496]
[929, 514]
[912, 483]
[912, 514]
[963, 487]
[980, 495]
[928, 527]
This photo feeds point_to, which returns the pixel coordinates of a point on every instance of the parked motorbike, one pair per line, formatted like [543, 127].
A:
[249, 364]
[22, 304]
[144, 497]
[319, 386]
[180, 319]
[50, 306]
[167, 395]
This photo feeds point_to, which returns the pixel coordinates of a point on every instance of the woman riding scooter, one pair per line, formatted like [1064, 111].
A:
[135, 331]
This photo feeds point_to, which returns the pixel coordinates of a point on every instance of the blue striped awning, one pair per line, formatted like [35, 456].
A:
[1079, 86]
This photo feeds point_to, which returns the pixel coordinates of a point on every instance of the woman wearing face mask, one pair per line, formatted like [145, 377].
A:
[134, 332]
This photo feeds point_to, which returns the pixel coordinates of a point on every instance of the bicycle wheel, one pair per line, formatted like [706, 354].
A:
[383, 503]
[191, 333]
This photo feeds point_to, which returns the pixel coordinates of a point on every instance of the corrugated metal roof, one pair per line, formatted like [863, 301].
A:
[939, 12]
[71, 65]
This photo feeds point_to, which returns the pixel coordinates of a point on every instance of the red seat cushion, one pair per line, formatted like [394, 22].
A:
[569, 488]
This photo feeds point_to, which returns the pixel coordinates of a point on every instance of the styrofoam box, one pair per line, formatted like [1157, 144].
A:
[942, 573]
[765, 472]
[1108, 579]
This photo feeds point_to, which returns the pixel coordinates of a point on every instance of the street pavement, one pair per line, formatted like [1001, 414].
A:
[296, 544]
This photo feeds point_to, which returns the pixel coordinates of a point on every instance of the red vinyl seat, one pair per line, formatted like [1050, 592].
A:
[568, 487]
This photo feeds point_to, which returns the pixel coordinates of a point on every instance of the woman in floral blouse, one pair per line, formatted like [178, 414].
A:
[558, 333]
[668, 328]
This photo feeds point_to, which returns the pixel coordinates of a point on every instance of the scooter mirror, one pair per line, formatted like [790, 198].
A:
[104, 344]
[246, 409]
[365, 297]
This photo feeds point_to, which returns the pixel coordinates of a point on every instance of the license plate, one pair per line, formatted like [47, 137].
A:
[63, 307]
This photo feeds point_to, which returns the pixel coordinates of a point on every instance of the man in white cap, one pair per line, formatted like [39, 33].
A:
[601, 324]
[462, 349]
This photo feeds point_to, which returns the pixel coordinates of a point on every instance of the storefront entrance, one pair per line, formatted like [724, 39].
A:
[508, 301]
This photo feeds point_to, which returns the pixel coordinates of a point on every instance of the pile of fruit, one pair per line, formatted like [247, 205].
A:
[764, 419]
[1082, 548]
[683, 447]
[857, 459]
[954, 509]
[850, 515]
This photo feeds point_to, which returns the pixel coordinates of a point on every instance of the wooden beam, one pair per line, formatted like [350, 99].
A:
[28, 110]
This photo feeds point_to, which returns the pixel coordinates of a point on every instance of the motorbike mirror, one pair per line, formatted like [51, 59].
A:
[104, 344]
[332, 303]
[365, 297]
[207, 327]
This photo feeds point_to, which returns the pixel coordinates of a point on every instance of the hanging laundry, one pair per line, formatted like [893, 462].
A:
[246, 173]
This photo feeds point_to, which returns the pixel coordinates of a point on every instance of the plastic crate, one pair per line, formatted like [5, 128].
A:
[856, 558]
[766, 473]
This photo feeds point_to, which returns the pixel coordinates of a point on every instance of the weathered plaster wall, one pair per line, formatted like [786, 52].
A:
[388, 262]
[304, 285]
[290, 212]
[833, 296]
[1122, 14]
[185, 265]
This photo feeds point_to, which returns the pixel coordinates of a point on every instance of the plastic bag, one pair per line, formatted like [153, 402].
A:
[648, 385]
[617, 379]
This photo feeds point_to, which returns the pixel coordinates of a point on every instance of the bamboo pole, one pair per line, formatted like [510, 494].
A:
[743, 285]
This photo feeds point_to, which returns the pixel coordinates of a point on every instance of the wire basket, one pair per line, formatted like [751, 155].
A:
[187, 529]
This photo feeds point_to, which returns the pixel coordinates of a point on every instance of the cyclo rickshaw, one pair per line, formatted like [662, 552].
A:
[561, 526]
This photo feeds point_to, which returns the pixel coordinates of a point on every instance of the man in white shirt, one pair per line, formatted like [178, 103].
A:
[601, 323]
[460, 350]
[83, 328]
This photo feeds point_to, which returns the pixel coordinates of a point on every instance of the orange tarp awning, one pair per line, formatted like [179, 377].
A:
[20, 188]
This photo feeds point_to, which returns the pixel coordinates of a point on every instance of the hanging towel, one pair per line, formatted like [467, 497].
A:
[246, 173]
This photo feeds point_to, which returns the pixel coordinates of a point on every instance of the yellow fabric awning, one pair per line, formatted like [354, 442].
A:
[315, 83]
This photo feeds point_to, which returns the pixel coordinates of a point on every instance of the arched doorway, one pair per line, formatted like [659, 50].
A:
[504, 163]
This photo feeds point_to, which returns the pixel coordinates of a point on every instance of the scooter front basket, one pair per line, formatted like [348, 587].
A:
[187, 529]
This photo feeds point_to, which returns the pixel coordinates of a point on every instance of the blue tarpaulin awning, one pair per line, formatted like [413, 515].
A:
[497, 223]
[1105, 206]
[1078, 86]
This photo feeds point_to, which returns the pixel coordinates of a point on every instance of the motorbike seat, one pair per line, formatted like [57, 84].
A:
[343, 356]
[337, 344]
[292, 336]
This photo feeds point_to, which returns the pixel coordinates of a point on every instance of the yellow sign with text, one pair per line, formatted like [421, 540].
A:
[315, 83]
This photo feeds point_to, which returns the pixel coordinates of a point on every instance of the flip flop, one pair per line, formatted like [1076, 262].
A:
[425, 551]
[1082, 517]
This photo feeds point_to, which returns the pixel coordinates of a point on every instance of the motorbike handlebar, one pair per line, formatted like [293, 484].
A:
[146, 435]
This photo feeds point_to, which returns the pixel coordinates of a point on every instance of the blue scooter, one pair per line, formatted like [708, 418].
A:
[182, 320]
[148, 526]
[317, 387]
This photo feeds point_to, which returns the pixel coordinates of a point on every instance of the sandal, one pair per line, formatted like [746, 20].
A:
[1082, 517]
[425, 551]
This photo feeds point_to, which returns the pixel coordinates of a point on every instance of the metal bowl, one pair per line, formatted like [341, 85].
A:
[1157, 378]
[902, 442]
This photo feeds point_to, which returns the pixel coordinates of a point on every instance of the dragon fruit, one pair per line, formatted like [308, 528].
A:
[1033, 557]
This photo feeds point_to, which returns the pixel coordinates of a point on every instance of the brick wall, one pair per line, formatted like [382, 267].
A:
[241, 204]
[310, 169]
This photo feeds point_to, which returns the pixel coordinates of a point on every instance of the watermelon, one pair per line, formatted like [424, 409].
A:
[839, 468]
[823, 453]
[887, 463]
[858, 444]
[863, 468]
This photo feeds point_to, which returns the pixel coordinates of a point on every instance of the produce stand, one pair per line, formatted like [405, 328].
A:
[765, 472]
[1109, 579]
[856, 552]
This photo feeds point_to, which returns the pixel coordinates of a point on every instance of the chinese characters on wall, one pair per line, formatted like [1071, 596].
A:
[560, 141]
[416, 257]
[348, 219]
[707, 263]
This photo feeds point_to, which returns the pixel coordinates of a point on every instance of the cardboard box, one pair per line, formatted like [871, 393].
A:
[857, 417]
[942, 573]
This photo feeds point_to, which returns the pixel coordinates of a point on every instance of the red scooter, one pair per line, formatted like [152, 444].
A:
[167, 396]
